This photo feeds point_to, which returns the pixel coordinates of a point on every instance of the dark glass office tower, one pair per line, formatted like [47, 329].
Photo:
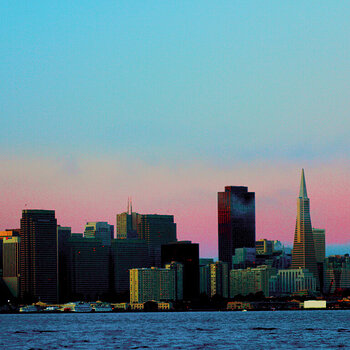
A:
[186, 253]
[236, 221]
[156, 230]
[38, 255]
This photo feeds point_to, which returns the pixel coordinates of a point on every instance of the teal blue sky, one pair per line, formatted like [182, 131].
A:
[170, 101]
[176, 80]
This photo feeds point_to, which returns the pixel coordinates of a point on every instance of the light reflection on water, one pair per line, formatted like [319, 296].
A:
[178, 330]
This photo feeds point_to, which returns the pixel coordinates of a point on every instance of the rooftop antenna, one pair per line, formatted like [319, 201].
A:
[130, 205]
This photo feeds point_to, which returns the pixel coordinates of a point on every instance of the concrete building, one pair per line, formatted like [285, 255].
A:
[243, 258]
[291, 281]
[336, 273]
[303, 255]
[3, 235]
[186, 253]
[179, 278]
[38, 255]
[264, 246]
[319, 236]
[99, 230]
[236, 221]
[152, 284]
[250, 280]
[11, 264]
[127, 254]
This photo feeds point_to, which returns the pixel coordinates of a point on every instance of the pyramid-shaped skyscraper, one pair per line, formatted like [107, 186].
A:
[303, 255]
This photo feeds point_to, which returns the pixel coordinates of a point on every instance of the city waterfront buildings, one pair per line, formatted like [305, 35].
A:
[303, 255]
[250, 280]
[291, 281]
[236, 221]
[152, 284]
[216, 279]
[38, 255]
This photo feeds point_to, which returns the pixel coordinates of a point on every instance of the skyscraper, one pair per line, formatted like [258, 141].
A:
[303, 255]
[156, 230]
[236, 221]
[88, 268]
[38, 255]
[99, 230]
[11, 264]
[127, 254]
[127, 223]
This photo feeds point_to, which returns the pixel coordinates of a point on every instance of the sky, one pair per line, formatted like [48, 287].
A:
[169, 102]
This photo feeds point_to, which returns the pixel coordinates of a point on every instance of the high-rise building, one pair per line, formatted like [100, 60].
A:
[127, 223]
[319, 236]
[152, 284]
[214, 279]
[264, 246]
[186, 253]
[243, 258]
[292, 281]
[88, 268]
[156, 230]
[236, 221]
[99, 230]
[63, 235]
[336, 273]
[11, 264]
[3, 235]
[250, 280]
[179, 278]
[303, 255]
[127, 254]
[38, 255]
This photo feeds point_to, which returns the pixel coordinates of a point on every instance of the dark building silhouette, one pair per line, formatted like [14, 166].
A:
[236, 221]
[88, 267]
[303, 254]
[186, 253]
[38, 255]
[127, 254]
[63, 235]
[156, 230]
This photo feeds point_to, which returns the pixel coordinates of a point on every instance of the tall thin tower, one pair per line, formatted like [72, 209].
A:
[303, 255]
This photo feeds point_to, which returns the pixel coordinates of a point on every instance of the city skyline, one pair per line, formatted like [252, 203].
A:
[170, 102]
[210, 250]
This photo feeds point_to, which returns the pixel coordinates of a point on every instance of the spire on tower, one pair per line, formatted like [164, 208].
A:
[302, 192]
[130, 205]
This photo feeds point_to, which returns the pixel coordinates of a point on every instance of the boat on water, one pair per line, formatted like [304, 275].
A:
[81, 307]
[28, 308]
[102, 307]
[51, 309]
